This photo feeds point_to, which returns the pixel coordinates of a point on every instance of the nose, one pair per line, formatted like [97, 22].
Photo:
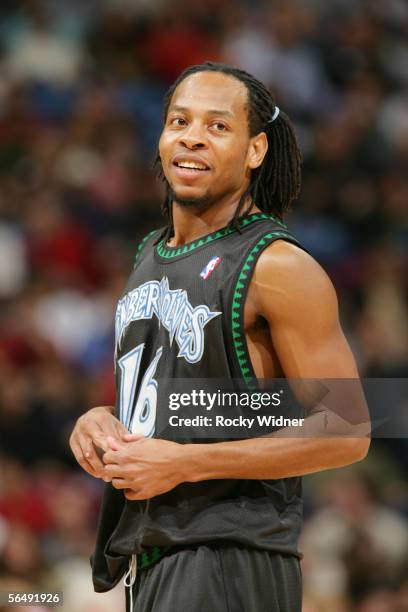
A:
[192, 138]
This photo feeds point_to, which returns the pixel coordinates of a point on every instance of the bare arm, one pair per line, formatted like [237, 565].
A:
[297, 299]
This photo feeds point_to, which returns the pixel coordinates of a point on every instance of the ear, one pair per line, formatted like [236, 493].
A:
[258, 146]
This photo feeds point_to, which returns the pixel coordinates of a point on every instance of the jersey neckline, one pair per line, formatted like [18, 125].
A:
[168, 252]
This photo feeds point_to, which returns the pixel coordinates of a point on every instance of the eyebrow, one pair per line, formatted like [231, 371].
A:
[214, 111]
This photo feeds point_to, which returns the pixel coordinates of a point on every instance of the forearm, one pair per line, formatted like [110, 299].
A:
[270, 458]
[324, 441]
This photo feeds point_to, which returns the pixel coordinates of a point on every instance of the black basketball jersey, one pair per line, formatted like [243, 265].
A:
[181, 316]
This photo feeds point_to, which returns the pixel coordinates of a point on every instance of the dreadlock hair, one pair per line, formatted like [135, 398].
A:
[276, 182]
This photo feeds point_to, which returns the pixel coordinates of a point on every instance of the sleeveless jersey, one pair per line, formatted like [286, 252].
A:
[181, 316]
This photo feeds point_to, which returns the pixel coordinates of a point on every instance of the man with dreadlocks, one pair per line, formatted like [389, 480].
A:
[223, 291]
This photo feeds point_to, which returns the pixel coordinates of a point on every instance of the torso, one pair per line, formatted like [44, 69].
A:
[181, 323]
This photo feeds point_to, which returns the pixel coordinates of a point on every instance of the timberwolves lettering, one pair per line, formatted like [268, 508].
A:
[172, 309]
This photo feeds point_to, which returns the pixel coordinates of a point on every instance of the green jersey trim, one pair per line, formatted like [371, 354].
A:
[237, 308]
[148, 558]
[172, 252]
[141, 246]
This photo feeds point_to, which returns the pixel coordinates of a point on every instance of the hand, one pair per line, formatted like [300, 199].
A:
[90, 435]
[143, 467]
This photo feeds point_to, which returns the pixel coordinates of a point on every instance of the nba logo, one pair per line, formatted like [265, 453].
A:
[210, 267]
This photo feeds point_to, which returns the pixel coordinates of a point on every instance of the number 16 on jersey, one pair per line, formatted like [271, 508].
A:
[143, 419]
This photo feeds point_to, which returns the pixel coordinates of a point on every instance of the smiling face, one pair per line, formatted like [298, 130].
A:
[205, 148]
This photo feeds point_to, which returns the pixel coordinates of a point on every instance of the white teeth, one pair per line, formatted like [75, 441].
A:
[190, 164]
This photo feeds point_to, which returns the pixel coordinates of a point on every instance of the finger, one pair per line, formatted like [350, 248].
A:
[133, 437]
[113, 470]
[78, 454]
[75, 447]
[113, 457]
[101, 442]
[85, 465]
[135, 495]
[119, 483]
[113, 443]
[90, 457]
[99, 451]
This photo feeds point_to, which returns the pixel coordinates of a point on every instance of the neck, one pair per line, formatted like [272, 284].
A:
[191, 224]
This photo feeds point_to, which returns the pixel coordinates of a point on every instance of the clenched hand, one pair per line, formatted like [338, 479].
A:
[91, 432]
[143, 467]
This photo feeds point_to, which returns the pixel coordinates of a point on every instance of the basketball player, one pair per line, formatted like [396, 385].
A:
[224, 291]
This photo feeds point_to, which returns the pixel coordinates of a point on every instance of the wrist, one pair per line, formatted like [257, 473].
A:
[195, 464]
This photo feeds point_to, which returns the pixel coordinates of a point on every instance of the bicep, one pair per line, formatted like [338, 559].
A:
[299, 303]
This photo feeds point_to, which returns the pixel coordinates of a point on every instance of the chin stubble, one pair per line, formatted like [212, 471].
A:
[198, 203]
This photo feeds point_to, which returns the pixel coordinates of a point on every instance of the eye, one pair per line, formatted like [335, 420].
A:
[178, 122]
[219, 126]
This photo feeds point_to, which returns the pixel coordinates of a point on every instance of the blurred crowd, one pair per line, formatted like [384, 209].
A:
[81, 88]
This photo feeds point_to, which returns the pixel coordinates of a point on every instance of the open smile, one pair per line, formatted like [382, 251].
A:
[189, 166]
[187, 169]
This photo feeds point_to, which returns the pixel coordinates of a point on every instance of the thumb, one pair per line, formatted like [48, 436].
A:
[133, 437]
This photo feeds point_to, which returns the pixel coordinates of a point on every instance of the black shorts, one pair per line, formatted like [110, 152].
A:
[219, 579]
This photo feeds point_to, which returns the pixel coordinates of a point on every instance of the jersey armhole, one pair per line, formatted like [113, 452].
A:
[240, 354]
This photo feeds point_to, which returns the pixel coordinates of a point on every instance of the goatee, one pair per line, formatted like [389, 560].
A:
[198, 203]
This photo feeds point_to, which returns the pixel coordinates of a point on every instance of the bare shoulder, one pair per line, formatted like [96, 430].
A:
[286, 276]
[295, 296]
